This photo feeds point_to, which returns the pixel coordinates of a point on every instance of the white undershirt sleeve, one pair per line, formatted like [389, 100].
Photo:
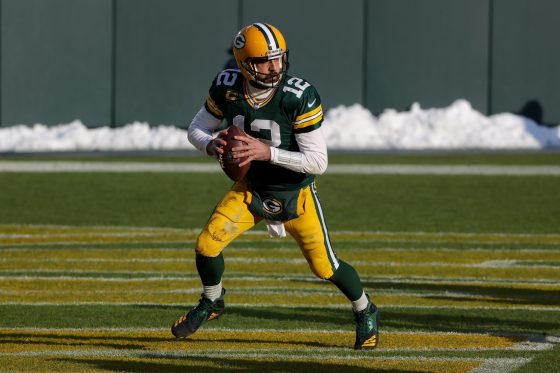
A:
[312, 157]
[201, 128]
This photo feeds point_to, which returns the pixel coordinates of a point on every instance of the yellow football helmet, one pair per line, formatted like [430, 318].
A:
[260, 41]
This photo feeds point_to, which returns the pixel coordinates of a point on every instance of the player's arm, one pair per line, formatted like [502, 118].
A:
[312, 157]
[206, 121]
[200, 132]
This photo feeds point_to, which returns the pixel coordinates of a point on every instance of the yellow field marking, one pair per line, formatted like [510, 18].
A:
[67, 229]
[178, 286]
[99, 237]
[450, 257]
[279, 298]
[450, 237]
[288, 268]
[41, 234]
[417, 256]
[31, 283]
[37, 234]
[56, 340]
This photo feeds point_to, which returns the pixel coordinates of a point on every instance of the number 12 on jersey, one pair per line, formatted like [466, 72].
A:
[299, 85]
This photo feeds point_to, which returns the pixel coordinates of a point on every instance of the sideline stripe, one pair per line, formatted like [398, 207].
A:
[396, 169]
[356, 169]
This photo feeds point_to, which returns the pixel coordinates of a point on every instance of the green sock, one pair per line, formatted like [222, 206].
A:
[347, 280]
[210, 269]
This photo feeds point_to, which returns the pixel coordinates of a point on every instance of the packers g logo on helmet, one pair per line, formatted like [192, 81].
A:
[239, 41]
[259, 41]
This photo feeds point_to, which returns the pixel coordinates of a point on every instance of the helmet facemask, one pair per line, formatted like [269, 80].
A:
[265, 79]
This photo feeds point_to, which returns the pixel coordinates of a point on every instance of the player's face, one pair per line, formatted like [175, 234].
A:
[269, 71]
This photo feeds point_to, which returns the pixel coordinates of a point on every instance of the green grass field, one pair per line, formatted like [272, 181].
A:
[95, 267]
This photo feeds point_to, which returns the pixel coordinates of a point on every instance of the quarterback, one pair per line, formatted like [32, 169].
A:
[281, 116]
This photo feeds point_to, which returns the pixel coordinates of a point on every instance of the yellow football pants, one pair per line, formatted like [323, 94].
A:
[232, 217]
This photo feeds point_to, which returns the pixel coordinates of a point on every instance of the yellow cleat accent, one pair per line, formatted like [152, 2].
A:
[213, 316]
[371, 342]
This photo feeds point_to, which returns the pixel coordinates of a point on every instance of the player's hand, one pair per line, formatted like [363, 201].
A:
[215, 147]
[254, 150]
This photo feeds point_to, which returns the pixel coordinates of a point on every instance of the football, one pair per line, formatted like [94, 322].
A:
[229, 164]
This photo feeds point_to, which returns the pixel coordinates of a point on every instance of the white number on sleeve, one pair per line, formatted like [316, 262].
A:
[299, 86]
[226, 78]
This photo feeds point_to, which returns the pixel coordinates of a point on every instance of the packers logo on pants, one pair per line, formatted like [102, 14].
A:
[272, 206]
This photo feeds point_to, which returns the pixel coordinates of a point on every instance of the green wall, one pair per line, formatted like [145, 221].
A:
[526, 58]
[429, 51]
[56, 61]
[167, 53]
[113, 62]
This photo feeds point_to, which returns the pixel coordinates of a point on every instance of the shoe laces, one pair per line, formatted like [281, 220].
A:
[204, 303]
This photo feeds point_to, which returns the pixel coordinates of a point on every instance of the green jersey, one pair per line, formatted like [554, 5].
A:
[294, 107]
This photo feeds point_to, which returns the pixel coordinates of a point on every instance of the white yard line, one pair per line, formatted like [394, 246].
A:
[356, 169]
[500, 365]
[75, 166]
[251, 260]
[160, 276]
[100, 231]
[95, 231]
[294, 249]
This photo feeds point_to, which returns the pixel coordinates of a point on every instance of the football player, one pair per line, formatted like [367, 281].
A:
[281, 116]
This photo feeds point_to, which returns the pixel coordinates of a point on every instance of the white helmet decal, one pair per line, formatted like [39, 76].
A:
[239, 41]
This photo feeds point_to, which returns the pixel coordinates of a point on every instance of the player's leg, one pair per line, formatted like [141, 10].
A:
[311, 233]
[230, 218]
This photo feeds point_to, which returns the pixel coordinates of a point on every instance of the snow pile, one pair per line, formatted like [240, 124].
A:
[458, 126]
[76, 136]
